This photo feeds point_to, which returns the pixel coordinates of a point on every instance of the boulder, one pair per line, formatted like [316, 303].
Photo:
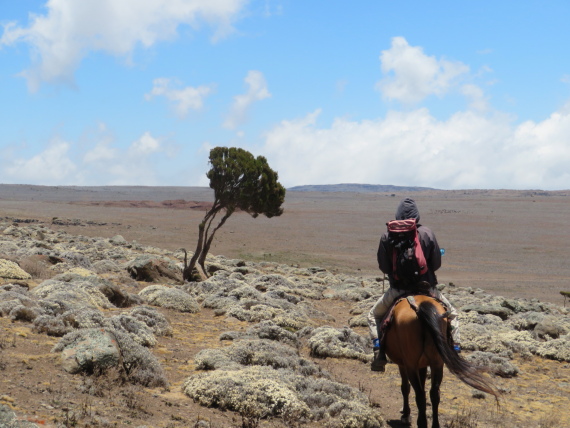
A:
[499, 311]
[549, 327]
[118, 240]
[496, 364]
[521, 305]
[95, 349]
[90, 351]
[153, 269]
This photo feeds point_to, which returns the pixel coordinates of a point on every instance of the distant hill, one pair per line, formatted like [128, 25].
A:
[358, 188]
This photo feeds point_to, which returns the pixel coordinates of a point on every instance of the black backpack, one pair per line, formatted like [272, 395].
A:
[408, 260]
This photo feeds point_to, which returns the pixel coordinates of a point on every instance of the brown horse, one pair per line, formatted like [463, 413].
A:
[417, 339]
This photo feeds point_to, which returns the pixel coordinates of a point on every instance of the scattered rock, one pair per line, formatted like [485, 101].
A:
[496, 364]
[500, 311]
[152, 269]
[118, 240]
[99, 349]
[550, 327]
[88, 351]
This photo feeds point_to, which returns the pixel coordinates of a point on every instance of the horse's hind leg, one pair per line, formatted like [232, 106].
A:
[405, 387]
[423, 376]
[436, 378]
[419, 389]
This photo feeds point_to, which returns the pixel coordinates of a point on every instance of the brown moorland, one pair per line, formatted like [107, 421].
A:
[510, 243]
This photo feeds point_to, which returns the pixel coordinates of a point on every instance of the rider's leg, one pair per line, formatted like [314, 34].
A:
[375, 316]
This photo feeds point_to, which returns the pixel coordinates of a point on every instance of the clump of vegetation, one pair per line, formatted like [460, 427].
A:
[98, 350]
[135, 328]
[256, 353]
[464, 418]
[157, 322]
[269, 330]
[338, 343]
[168, 297]
[37, 268]
[260, 392]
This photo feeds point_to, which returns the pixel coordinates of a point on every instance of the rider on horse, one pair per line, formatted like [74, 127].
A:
[407, 210]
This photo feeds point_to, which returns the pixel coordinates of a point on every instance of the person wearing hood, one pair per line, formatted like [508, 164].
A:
[407, 209]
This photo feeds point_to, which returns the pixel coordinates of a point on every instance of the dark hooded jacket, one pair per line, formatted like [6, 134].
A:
[407, 210]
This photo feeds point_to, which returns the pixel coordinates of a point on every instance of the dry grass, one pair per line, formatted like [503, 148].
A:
[37, 268]
[464, 418]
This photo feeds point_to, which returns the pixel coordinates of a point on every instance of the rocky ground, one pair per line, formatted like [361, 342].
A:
[100, 331]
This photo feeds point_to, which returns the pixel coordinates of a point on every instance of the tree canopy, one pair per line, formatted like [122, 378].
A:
[240, 182]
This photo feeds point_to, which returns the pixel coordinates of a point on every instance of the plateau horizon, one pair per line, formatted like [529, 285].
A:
[26, 189]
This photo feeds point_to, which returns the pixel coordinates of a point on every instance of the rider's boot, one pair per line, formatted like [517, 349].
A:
[379, 362]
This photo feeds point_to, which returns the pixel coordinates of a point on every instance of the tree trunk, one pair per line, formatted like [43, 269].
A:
[202, 231]
[208, 241]
[187, 274]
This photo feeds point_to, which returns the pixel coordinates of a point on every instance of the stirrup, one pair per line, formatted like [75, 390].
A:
[378, 364]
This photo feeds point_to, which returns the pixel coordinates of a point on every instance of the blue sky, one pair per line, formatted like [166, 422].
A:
[441, 94]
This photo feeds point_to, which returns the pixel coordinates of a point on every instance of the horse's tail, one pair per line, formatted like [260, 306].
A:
[465, 371]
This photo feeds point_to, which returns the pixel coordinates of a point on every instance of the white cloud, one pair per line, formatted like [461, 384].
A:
[144, 146]
[102, 163]
[468, 150]
[476, 96]
[135, 165]
[52, 166]
[540, 151]
[70, 29]
[412, 75]
[102, 152]
[185, 99]
[257, 91]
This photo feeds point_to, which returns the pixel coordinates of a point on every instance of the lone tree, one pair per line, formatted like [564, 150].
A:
[240, 182]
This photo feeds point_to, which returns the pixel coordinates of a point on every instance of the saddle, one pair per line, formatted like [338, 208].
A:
[409, 296]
